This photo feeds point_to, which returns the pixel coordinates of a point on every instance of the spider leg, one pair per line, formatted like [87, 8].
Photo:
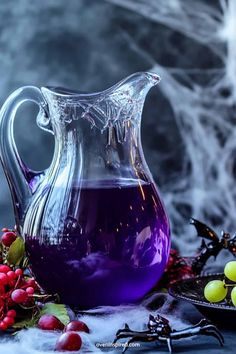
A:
[169, 343]
[115, 340]
[126, 345]
[211, 330]
[208, 328]
[203, 322]
[204, 328]
[167, 340]
[120, 336]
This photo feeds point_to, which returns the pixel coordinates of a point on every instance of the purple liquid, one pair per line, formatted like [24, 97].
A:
[114, 254]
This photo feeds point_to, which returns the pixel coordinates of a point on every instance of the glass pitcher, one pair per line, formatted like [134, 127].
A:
[95, 228]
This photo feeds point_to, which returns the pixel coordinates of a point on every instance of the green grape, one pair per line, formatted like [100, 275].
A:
[230, 270]
[215, 291]
[233, 295]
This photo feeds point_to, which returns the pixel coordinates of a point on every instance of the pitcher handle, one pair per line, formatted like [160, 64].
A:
[18, 174]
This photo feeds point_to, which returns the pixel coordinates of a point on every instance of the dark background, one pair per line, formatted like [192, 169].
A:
[188, 127]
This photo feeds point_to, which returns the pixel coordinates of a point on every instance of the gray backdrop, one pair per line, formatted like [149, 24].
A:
[188, 130]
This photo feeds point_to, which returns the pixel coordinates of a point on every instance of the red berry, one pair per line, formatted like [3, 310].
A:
[22, 284]
[4, 280]
[12, 283]
[8, 238]
[50, 323]
[19, 272]
[70, 341]
[19, 296]
[30, 290]
[11, 313]
[4, 268]
[9, 321]
[77, 326]
[11, 275]
[11, 303]
[2, 289]
[31, 283]
[5, 229]
[3, 326]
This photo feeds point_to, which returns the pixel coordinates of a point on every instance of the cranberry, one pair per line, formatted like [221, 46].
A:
[69, 341]
[22, 283]
[11, 275]
[5, 229]
[3, 326]
[8, 238]
[30, 290]
[11, 313]
[31, 283]
[2, 289]
[4, 268]
[12, 283]
[3, 279]
[11, 303]
[77, 326]
[19, 296]
[19, 272]
[9, 321]
[50, 323]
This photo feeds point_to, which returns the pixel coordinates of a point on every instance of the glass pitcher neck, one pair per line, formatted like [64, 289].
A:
[118, 104]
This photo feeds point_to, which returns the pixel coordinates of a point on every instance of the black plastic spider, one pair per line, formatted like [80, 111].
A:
[160, 330]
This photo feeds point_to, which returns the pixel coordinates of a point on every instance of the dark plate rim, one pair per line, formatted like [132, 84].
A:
[173, 292]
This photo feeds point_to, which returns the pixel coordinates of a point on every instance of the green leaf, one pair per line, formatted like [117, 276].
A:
[26, 319]
[58, 310]
[26, 323]
[16, 252]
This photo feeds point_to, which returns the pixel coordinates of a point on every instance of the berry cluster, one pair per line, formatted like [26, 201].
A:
[70, 340]
[217, 290]
[16, 289]
[177, 268]
[19, 292]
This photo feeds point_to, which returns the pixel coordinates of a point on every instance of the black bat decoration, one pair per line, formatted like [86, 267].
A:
[211, 248]
[203, 230]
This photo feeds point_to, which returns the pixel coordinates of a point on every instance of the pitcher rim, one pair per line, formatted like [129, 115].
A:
[151, 76]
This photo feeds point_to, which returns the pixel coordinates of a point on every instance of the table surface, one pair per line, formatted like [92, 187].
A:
[194, 345]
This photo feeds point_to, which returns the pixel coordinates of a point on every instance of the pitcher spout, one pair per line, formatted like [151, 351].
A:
[120, 103]
[139, 84]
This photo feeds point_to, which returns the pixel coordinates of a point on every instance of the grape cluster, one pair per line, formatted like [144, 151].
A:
[16, 288]
[217, 290]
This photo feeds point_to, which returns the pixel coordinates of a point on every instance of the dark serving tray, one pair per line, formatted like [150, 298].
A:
[191, 290]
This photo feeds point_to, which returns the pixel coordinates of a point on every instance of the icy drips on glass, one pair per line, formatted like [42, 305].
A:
[111, 108]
